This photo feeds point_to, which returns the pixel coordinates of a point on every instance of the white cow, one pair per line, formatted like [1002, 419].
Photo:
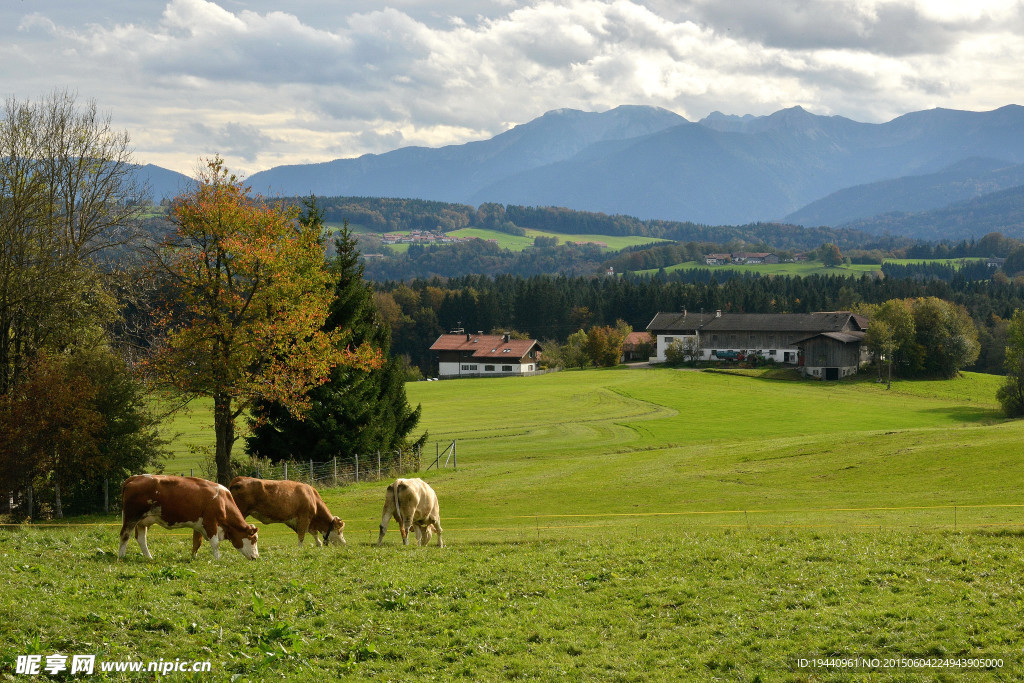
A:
[413, 504]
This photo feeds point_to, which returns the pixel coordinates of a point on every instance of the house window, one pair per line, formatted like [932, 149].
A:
[669, 340]
[488, 368]
[470, 367]
[772, 352]
[506, 368]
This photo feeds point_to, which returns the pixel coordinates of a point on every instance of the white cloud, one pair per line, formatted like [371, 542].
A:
[272, 83]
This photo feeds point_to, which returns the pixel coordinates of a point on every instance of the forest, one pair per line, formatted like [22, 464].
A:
[552, 307]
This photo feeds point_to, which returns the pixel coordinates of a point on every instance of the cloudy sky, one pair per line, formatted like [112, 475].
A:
[268, 82]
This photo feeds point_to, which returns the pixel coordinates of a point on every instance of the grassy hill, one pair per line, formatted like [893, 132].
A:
[683, 442]
[626, 524]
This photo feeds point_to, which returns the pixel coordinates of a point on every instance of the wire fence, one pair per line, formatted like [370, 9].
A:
[104, 497]
[339, 471]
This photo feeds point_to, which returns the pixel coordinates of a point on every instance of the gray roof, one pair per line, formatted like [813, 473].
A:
[679, 322]
[807, 323]
[844, 337]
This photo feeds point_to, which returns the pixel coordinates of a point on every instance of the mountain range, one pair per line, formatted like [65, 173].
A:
[648, 162]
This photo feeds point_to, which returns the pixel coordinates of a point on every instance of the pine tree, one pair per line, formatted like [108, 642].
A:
[354, 412]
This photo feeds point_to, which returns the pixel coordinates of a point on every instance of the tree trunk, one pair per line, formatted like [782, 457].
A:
[59, 507]
[224, 427]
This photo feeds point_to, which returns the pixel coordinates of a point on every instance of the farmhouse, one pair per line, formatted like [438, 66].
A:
[824, 345]
[754, 258]
[484, 355]
[740, 258]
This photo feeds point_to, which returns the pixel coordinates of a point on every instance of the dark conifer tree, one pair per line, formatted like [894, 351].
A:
[355, 412]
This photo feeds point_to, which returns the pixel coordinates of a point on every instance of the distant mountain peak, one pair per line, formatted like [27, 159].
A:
[652, 163]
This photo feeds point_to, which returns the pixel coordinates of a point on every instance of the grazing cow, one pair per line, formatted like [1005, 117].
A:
[293, 503]
[413, 504]
[183, 502]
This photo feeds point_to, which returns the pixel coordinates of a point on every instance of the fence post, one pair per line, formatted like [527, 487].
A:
[106, 495]
[455, 457]
[286, 470]
[357, 468]
[311, 482]
[335, 470]
[378, 465]
[30, 501]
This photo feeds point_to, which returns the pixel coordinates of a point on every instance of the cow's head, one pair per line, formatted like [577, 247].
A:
[244, 539]
[334, 535]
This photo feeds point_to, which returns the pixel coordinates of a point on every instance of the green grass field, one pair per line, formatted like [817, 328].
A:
[626, 524]
[517, 243]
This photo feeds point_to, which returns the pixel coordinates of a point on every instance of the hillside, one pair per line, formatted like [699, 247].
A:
[1001, 212]
[963, 181]
[652, 164]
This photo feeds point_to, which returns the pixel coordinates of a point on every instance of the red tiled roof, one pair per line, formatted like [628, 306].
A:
[634, 339]
[485, 345]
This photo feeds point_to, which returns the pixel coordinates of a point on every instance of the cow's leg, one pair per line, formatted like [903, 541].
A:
[418, 528]
[197, 540]
[437, 528]
[403, 526]
[385, 519]
[140, 537]
[215, 533]
[301, 526]
[127, 526]
[214, 543]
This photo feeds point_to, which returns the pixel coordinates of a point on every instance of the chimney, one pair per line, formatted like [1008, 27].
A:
[505, 338]
[718, 313]
[467, 336]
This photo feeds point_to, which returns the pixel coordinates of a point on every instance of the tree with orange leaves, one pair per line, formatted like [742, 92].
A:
[250, 291]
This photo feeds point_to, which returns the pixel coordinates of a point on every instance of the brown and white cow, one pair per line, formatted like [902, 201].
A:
[413, 504]
[183, 502]
[297, 505]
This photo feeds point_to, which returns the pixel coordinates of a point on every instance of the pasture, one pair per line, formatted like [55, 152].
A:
[517, 242]
[626, 524]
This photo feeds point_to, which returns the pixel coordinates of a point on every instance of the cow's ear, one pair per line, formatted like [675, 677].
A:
[253, 529]
[339, 520]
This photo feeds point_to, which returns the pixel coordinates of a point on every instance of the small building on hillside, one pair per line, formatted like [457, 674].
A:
[831, 355]
[485, 355]
[754, 258]
[717, 259]
[637, 347]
